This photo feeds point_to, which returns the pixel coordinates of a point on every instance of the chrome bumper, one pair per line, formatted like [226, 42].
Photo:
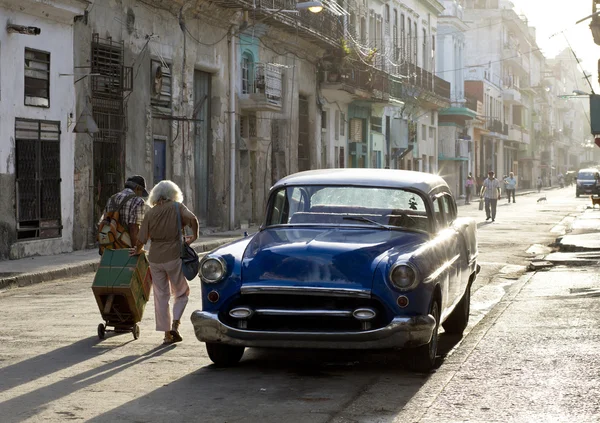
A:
[401, 332]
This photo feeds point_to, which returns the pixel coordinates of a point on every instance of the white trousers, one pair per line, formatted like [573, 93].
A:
[168, 278]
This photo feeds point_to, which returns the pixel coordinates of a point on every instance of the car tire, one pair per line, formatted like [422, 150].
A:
[224, 355]
[458, 320]
[577, 194]
[422, 358]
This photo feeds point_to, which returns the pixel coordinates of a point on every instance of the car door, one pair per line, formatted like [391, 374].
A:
[460, 246]
[455, 252]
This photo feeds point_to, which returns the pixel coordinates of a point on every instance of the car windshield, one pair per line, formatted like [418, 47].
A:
[585, 175]
[385, 208]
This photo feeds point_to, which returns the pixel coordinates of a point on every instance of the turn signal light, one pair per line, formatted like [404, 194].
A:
[213, 296]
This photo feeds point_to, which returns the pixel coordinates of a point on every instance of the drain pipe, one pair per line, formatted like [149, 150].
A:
[232, 78]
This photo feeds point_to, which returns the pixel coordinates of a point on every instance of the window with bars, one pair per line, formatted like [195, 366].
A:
[162, 84]
[37, 145]
[37, 78]
[386, 20]
[324, 120]
[343, 124]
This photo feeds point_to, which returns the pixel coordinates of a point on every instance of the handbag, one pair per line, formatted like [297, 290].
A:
[481, 204]
[190, 263]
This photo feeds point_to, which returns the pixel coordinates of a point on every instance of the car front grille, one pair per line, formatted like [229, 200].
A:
[305, 313]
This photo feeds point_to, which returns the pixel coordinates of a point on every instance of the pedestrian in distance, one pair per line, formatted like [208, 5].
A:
[539, 183]
[163, 225]
[469, 183]
[120, 222]
[511, 186]
[491, 194]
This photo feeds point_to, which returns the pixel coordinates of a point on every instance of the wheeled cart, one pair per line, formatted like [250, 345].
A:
[122, 289]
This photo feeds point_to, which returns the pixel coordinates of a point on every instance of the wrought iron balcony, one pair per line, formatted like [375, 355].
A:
[323, 28]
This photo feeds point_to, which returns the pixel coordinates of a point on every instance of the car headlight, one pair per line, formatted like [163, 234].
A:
[212, 269]
[403, 276]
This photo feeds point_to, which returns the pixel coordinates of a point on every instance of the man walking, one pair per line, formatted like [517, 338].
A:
[128, 207]
[511, 186]
[491, 192]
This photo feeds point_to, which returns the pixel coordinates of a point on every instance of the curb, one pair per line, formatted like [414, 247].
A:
[87, 266]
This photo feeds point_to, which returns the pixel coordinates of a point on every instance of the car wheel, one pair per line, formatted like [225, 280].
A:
[422, 358]
[577, 194]
[224, 355]
[457, 322]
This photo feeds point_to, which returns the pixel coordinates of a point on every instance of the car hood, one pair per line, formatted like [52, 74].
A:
[322, 257]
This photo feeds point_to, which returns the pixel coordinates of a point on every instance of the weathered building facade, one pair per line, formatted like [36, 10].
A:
[37, 109]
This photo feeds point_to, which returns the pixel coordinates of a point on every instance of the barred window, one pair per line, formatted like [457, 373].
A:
[37, 78]
[247, 73]
[38, 179]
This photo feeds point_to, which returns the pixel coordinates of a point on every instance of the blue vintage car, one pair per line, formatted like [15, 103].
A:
[346, 258]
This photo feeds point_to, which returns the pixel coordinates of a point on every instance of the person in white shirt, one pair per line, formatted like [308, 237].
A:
[491, 192]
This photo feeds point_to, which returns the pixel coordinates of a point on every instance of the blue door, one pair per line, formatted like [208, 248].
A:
[160, 161]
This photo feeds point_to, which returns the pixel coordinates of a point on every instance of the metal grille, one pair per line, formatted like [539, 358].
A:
[110, 78]
[109, 114]
[38, 179]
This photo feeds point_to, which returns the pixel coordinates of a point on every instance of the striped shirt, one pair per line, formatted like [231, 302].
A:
[491, 188]
[132, 212]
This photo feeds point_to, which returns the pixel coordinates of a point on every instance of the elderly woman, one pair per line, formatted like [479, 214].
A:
[160, 225]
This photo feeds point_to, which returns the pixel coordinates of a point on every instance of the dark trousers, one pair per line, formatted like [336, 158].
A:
[510, 192]
[468, 194]
[490, 204]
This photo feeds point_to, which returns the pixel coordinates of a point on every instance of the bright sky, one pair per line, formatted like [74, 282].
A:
[551, 17]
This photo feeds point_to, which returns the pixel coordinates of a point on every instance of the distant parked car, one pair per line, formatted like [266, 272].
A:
[346, 259]
[587, 181]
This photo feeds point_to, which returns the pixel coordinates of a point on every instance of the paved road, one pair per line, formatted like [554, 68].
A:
[530, 353]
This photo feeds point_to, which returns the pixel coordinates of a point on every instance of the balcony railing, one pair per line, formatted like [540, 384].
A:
[416, 76]
[495, 125]
[323, 27]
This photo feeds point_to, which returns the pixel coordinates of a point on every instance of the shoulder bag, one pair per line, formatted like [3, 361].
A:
[190, 263]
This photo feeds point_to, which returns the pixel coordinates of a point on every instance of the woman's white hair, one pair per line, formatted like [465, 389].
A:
[165, 190]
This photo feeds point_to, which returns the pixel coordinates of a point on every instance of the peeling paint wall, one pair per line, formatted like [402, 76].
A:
[56, 38]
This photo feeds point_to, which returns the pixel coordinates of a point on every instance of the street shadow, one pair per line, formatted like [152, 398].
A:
[42, 365]
[484, 223]
[34, 402]
[274, 385]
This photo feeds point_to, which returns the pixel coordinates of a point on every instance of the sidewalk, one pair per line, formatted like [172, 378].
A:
[31, 270]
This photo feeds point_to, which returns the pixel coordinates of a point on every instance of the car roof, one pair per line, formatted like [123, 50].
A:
[386, 178]
[589, 170]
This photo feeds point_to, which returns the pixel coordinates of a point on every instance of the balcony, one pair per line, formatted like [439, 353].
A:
[429, 89]
[494, 125]
[512, 95]
[518, 134]
[264, 89]
[360, 83]
[324, 28]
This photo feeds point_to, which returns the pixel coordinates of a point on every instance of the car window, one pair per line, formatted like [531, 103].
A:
[438, 207]
[349, 206]
[449, 209]
[277, 208]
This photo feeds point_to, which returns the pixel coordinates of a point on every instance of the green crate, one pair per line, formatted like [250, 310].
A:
[122, 287]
